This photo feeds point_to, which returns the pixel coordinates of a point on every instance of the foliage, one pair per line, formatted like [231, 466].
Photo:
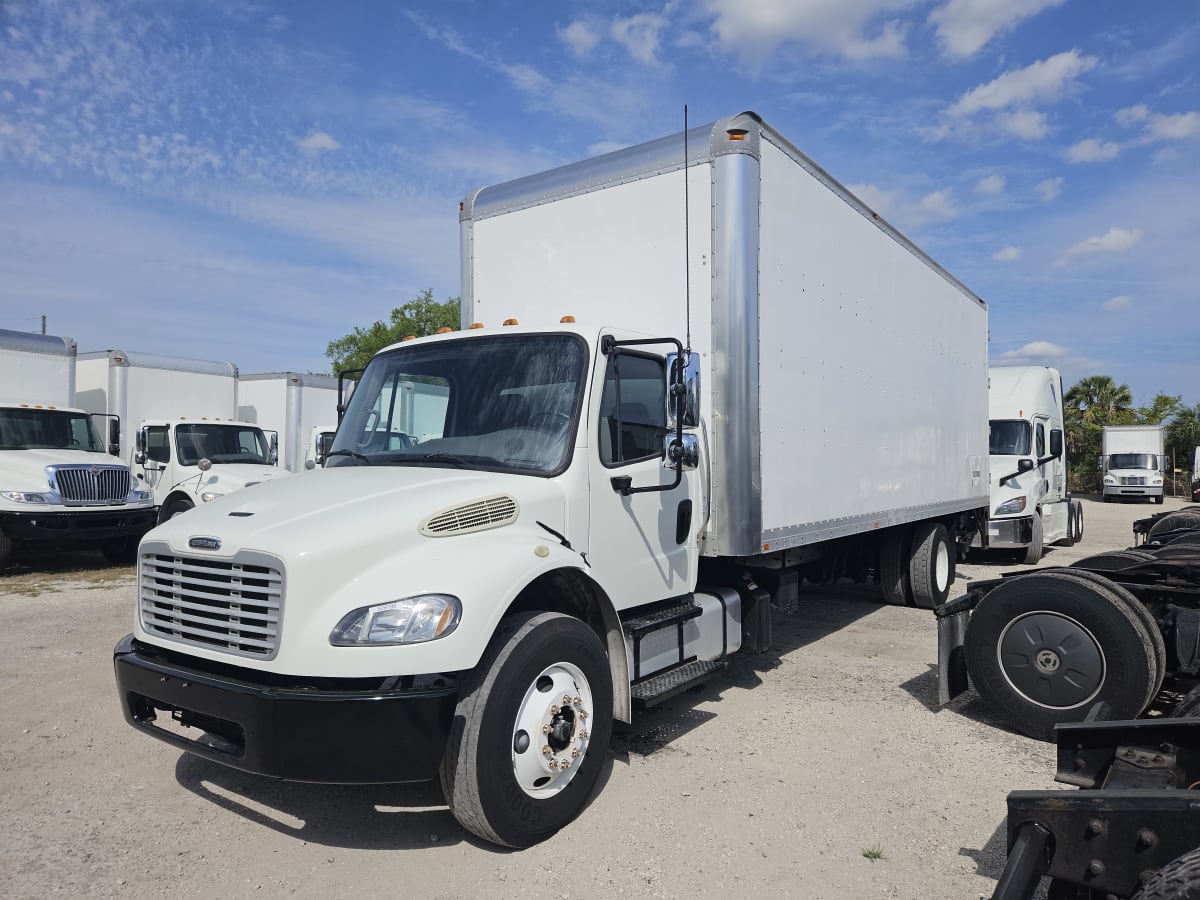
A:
[420, 316]
[1162, 408]
[1183, 435]
[1092, 403]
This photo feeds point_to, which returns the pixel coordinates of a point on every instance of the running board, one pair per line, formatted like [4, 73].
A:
[664, 685]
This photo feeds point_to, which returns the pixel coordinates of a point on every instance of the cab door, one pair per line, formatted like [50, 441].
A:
[642, 544]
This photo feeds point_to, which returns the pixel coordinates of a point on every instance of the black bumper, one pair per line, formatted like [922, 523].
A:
[78, 526]
[313, 732]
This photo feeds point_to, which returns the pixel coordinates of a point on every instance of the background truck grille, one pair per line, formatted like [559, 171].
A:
[234, 606]
[1133, 479]
[92, 484]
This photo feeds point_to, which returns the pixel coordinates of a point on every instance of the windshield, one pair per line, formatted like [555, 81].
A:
[1008, 438]
[504, 403]
[48, 429]
[221, 444]
[1133, 461]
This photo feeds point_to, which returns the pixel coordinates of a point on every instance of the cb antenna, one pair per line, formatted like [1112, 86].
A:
[687, 272]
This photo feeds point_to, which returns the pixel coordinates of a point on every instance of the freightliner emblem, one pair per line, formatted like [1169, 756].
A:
[205, 543]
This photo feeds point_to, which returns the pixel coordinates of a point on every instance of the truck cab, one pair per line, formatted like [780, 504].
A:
[1031, 506]
[187, 463]
[1132, 461]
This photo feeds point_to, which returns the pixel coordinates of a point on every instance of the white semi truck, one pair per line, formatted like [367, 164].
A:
[605, 511]
[1132, 461]
[292, 405]
[60, 483]
[1031, 506]
[179, 426]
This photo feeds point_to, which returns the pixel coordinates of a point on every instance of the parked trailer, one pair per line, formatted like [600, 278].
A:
[590, 517]
[290, 404]
[179, 427]
[1031, 506]
[60, 482]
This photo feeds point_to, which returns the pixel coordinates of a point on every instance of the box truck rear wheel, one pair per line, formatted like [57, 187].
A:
[1045, 648]
[893, 567]
[531, 731]
[931, 565]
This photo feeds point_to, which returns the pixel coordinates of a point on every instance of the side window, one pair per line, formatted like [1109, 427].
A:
[1041, 440]
[158, 448]
[633, 417]
[81, 435]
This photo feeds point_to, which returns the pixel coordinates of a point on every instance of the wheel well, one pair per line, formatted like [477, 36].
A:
[571, 592]
[177, 496]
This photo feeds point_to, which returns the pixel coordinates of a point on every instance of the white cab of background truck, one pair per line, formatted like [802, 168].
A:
[599, 518]
[291, 404]
[179, 427]
[1031, 506]
[59, 483]
[1132, 461]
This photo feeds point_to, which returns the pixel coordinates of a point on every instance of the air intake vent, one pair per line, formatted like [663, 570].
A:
[491, 512]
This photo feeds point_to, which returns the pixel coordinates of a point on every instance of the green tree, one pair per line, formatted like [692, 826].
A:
[1183, 435]
[1092, 403]
[420, 316]
[1162, 408]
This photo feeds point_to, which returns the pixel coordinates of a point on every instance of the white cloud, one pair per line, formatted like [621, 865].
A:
[1045, 80]
[1183, 126]
[877, 199]
[1118, 303]
[639, 35]
[1034, 353]
[964, 26]
[1028, 124]
[1048, 189]
[853, 29]
[905, 210]
[1093, 150]
[992, 184]
[580, 37]
[1115, 240]
[1131, 115]
[317, 141]
[939, 205]
[1007, 254]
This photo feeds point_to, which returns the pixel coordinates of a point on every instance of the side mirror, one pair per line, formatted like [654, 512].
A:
[1056, 442]
[114, 436]
[274, 448]
[683, 389]
[1024, 465]
[204, 464]
[139, 455]
[324, 442]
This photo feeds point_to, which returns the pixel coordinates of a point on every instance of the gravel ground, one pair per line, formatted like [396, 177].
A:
[822, 769]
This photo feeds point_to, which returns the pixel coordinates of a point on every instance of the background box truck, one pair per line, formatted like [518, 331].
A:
[1031, 506]
[59, 484]
[605, 509]
[179, 426]
[292, 405]
[1132, 461]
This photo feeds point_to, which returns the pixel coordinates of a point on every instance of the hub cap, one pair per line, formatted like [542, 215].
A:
[552, 730]
[1051, 660]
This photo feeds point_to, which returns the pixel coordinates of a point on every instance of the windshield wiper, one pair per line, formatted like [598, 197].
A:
[366, 460]
[437, 456]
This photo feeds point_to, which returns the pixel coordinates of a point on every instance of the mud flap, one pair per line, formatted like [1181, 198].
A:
[952, 621]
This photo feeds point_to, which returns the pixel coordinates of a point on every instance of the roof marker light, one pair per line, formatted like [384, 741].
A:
[737, 134]
[476, 325]
[408, 337]
[567, 320]
[445, 329]
[511, 322]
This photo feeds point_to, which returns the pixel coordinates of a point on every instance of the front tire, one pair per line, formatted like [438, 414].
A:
[531, 731]
[1046, 647]
[173, 509]
[1033, 552]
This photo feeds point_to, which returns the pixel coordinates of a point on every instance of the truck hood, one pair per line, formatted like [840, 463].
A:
[25, 470]
[330, 511]
[226, 478]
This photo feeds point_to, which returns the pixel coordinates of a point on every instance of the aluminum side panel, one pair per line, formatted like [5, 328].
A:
[873, 382]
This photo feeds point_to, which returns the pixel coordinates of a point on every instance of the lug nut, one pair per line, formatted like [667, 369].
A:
[546, 729]
[566, 699]
[583, 735]
[554, 710]
[583, 714]
[575, 754]
[578, 701]
[546, 751]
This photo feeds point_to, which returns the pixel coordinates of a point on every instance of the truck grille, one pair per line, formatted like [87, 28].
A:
[1133, 479]
[85, 485]
[234, 607]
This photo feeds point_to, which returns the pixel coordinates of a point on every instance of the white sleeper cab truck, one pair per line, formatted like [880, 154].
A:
[1031, 506]
[589, 517]
[291, 404]
[60, 483]
[179, 425]
[1132, 461]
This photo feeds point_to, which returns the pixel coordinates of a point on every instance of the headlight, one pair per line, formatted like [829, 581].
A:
[410, 621]
[1156, 481]
[1008, 507]
[210, 496]
[1109, 479]
[137, 495]
[25, 497]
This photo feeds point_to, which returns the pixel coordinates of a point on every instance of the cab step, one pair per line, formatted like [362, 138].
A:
[673, 612]
[664, 685]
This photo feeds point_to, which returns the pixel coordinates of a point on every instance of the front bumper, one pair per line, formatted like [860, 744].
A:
[1004, 533]
[78, 526]
[337, 731]
[1122, 490]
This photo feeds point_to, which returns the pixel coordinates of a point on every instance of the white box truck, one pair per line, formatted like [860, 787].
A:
[1196, 475]
[605, 511]
[60, 483]
[179, 425]
[293, 405]
[1031, 506]
[1132, 461]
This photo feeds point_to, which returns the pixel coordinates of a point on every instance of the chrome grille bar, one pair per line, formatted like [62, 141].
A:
[91, 484]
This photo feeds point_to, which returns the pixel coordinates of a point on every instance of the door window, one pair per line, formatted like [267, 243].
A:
[158, 448]
[1041, 440]
[633, 409]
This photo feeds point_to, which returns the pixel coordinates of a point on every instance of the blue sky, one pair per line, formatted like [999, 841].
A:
[247, 181]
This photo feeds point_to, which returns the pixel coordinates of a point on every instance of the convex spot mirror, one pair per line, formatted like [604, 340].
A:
[683, 368]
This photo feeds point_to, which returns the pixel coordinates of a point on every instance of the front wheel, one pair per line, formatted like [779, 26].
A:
[1033, 552]
[173, 509]
[531, 731]
[1046, 647]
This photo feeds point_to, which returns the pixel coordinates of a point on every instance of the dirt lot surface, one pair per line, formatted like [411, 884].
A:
[822, 769]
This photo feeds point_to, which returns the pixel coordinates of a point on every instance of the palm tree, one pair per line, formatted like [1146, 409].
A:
[1101, 401]
[1183, 432]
